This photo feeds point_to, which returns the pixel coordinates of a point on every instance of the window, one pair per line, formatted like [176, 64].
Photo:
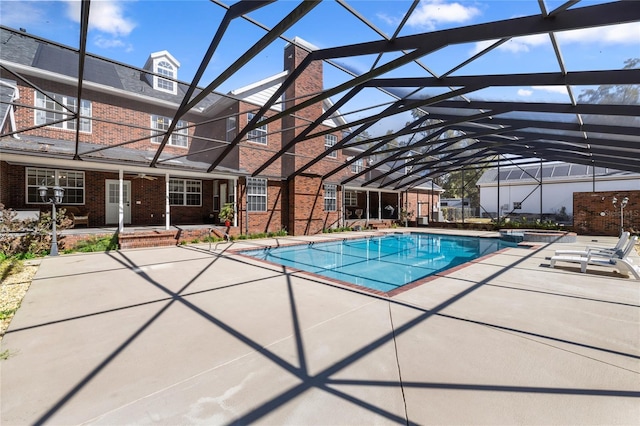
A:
[329, 142]
[71, 181]
[330, 203]
[357, 166]
[350, 198]
[166, 69]
[259, 134]
[56, 111]
[407, 168]
[256, 195]
[231, 128]
[185, 192]
[161, 124]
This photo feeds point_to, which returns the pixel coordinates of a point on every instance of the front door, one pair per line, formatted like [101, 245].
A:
[112, 198]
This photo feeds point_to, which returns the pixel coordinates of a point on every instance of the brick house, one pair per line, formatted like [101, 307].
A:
[103, 159]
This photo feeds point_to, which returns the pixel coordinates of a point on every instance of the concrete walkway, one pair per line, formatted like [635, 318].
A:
[184, 335]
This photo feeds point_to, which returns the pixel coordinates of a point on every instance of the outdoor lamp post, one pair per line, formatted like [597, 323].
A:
[58, 193]
[623, 204]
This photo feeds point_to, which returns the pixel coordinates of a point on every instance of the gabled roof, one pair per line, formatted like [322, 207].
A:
[260, 92]
[24, 53]
[161, 54]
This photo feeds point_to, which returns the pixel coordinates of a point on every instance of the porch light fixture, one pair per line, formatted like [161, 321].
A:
[58, 194]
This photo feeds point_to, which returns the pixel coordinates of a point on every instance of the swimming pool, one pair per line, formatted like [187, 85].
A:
[383, 263]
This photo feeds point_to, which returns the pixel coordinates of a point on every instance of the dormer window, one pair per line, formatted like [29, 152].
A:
[165, 71]
[165, 68]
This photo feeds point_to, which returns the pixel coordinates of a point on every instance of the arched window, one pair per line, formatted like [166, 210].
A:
[166, 69]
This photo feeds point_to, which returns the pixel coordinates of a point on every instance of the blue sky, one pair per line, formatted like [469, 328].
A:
[128, 31]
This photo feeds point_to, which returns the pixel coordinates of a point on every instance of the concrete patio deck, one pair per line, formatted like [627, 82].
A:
[184, 335]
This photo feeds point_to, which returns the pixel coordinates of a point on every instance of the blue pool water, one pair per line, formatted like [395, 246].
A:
[382, 263]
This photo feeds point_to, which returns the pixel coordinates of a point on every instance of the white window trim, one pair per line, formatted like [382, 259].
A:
[184, 192]
[56, 178]
[171, 79]
[329, 142]
[328, 189]
[357, 166]
[350, 198]
[263, 182]
[263, 130]
[42, 97]
[157, 137]
[231, 128]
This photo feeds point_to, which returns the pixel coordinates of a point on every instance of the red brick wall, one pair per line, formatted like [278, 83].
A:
[269, 221]
[151, 208]
[595, 214]
[308, 84]
[125, 119]
[149, 193]
[298, 206]
[306, 204]
[305, 193]
[254, 155]
[424, 198]
[213, 142]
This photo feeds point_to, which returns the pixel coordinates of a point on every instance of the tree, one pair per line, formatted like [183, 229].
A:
[625, 94]
[452, 182]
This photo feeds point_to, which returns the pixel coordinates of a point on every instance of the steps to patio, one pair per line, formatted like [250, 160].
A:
[130, 240]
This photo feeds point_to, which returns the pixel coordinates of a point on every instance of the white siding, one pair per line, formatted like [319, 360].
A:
[554, 195]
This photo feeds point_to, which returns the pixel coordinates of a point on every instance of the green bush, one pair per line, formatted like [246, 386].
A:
[94, 244]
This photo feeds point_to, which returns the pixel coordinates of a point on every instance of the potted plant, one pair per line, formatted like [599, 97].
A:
[226, 214]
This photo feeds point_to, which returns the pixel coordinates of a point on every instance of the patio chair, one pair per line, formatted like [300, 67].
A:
[619, 260]
[624, 237]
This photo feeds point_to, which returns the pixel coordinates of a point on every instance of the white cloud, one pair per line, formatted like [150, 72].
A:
[523, 92]
[107, 43]
[430, 13]
[553, 89]
[523, 44]
[105, 15]
[389, 20]
[514, 45]
[615, 34]
[110, 43]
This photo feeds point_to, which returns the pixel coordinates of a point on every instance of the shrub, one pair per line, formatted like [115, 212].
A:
[28, 237]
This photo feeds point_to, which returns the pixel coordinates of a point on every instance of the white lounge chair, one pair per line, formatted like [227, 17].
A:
[622, 241]
[619, 260]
